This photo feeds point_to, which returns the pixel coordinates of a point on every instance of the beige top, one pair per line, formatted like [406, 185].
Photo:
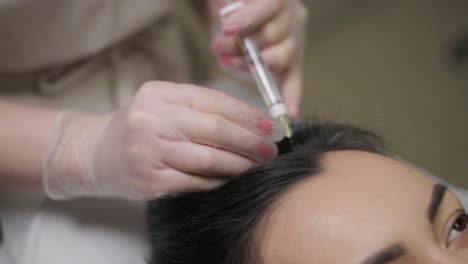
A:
[45, 32]
[37, 34]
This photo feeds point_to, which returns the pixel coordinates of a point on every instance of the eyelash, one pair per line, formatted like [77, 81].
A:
[458, 227]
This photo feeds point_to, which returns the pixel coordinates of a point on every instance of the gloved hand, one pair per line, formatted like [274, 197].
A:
[278, 27]
[171, 138]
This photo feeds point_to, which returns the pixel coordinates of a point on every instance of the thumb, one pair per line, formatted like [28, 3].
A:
[292, 92]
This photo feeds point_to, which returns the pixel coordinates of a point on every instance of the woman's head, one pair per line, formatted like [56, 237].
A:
[335, 199]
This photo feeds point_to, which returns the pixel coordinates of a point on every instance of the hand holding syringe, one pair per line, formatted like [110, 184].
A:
[276, 27]
[264, 79]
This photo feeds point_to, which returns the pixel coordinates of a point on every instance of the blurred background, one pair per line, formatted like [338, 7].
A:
[399, 68]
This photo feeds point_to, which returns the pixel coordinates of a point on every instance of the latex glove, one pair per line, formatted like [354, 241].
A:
[278, 26]
[171, 138]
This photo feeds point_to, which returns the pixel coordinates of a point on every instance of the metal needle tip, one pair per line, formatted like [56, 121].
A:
[285, 122]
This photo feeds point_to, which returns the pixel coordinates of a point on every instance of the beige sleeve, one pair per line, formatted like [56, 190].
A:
[38, 34]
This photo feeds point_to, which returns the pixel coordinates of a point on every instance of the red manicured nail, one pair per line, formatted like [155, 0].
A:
[230, 30]
[264, 125]
[225, 60]
[265, 151]
[296, 114]
[217, 47]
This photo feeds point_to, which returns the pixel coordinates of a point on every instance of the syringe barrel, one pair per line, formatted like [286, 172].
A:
[263, 77]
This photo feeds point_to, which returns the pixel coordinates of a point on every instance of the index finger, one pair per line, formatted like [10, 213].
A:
[218, 103]
[292, 92]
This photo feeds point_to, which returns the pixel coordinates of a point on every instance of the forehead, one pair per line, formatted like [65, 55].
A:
[358, 204]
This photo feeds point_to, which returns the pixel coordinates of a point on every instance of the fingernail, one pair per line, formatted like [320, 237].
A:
[217, 47]
[295, 114]
[298, 114]
[267, 151]
[270, 128]
[232, 29]
[225, 60]
[264, 125]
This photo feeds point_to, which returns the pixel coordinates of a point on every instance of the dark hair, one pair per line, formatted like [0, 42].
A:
[1, 232]
[219, 226]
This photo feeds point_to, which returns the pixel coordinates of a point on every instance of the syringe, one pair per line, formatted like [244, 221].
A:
[264, 80]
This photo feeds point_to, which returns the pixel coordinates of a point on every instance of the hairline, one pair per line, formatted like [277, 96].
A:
[261, 226]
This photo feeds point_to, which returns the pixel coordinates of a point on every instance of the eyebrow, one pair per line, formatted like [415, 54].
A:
[438, 193]
[396, 251]
[386, 255]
